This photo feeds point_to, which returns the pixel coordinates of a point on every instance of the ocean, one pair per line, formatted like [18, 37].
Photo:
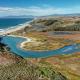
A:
[11, 22]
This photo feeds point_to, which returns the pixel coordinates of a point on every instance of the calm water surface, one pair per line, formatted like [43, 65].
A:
[13, 42]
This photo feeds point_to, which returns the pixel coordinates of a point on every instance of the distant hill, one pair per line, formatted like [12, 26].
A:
[74, 14]
[31, 16]
[22, 16]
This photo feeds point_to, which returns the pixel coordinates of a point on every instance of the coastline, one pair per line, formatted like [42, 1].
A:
[16, 28]
[19, 27]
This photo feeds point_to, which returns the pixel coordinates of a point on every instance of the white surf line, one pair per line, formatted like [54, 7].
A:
[15, 28]
[9, 30]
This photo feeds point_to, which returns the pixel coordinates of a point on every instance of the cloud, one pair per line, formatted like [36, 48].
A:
[36, 11]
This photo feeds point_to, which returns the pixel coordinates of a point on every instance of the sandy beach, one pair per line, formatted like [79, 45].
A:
[14, 28]
[23, 43]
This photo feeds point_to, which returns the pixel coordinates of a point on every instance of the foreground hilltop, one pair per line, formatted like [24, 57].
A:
[13, 67]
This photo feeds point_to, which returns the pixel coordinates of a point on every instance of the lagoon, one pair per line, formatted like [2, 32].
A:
[13, 44]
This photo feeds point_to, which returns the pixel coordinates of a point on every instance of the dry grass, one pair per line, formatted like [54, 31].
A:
[41, 41]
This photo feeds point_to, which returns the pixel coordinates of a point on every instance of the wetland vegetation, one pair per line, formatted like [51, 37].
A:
[58, 67]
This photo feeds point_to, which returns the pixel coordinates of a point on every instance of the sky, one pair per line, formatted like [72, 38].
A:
[38, 7]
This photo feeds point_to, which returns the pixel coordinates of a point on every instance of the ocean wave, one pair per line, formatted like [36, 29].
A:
[17, 26]
[11, 27]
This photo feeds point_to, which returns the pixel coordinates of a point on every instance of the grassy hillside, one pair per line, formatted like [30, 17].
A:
[15, 68]
[28, 71]
[58, 24]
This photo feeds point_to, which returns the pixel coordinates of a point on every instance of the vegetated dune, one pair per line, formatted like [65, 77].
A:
[58, 24]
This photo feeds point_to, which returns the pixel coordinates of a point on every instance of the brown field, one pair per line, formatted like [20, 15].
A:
[69, 64]
[42, 41]
[8, 58]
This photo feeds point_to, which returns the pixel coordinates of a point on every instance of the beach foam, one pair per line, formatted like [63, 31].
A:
[14, 28]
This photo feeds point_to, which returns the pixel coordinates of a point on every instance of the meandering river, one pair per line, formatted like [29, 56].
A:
[13, 43]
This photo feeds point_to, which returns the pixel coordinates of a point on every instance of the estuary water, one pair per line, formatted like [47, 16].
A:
[13, 43]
